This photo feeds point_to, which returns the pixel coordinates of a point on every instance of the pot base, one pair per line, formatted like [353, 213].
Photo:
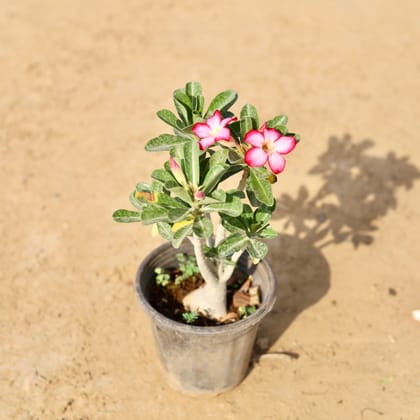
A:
[204, 361]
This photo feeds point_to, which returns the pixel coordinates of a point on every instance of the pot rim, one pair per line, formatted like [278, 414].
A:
[237, 326]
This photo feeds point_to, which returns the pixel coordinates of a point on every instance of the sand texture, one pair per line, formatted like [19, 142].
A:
[80, 82]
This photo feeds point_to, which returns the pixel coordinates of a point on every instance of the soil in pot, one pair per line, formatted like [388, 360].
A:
[167, 297]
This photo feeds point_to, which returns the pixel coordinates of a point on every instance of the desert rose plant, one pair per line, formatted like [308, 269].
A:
[191, 197]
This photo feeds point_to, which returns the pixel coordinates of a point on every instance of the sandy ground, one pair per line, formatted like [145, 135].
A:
[80, 82]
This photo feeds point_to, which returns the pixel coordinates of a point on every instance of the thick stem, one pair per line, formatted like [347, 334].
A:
[207, 269]
[209, 300]
[226, 272]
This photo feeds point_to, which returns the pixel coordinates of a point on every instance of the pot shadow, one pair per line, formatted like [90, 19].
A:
[358, 189]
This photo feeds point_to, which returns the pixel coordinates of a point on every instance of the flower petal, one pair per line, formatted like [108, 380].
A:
[276, 162]
[201, 130]
[177, 171]
[255, 138]
[223, 134]
[206, 142]
[285, 144]
[227, 121]
[214, 120]
[255, 157]
[271, 134]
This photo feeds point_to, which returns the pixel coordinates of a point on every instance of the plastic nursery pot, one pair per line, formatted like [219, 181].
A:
[204, 360]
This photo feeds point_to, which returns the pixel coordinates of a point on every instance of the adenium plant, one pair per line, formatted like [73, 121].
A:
[191, 196]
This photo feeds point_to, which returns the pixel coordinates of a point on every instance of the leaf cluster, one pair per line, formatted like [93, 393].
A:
[247, 230]
[187, 190]
[190, 317]
[187, 268]
[246, 311]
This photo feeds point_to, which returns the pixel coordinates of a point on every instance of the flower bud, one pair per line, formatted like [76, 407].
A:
[199, 195]
[177, 172]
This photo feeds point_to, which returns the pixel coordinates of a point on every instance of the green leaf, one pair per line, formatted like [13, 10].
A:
[168, 117]
[177, 152]
[249, 111]
[193, 89]
[219, 157]
[165, 177]
[222, 102]
[231, 244]
[277, 122]
[234, 157]
[235, 192]
[210, 252]
[262, 172]
[197, 119]
[251, 198]
[235, 129]
[135, 202]
[153, 214]
[192, 162]
[181, 234]
[199, 105]
[213, 178]
[183, 105]
[126, 216]
[219, 195]
[185, 133]
[261, 188]
[233, 224]
[257, 250]
[247, 215]
[246, 125]
[182, 194]
[203, 227]
[190, 317]
[157, 186]
[204, 167]
[178, 214]
[262, 215]
[143, 187]
[181, 95]
[164, 142]
[267, 233]
[165, 230]
[166, 200]
[209, 200]
[283, 129]
[232, 207]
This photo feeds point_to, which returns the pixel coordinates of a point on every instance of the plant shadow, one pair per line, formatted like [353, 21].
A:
[357, 189]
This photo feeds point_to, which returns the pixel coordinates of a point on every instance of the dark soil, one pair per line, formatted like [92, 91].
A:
[168, 299]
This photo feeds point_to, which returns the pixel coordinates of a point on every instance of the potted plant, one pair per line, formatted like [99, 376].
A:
[213, 200]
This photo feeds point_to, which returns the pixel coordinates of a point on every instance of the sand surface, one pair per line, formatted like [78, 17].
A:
[80, 82]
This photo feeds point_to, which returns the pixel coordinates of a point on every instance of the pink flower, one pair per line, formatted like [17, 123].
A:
[214, 129]
[268, 145]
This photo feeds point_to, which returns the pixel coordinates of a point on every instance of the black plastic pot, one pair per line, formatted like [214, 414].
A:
[204, 360]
